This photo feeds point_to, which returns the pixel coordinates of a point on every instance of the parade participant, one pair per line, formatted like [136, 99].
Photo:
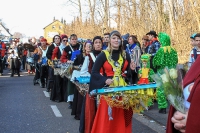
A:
[54, 52]
[2, 54]
[78, 98]
[41, 66]
[64, 40]
[116, 64]
[145, 72]
[66, 57]
[190, 121]
[24, 55]
[31, 67]
[125, 40]
[105, 40]
[153, 46]
[166, 56]
[196, 49]
[39, 43]
[145, 44]
[134, 50]
[88, 108]
[14, 62]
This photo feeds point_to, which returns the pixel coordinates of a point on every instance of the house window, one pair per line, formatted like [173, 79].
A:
[53, 27]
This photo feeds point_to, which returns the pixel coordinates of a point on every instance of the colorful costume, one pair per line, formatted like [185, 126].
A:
[118, 120]
[145, 74]
[166, 56]
[145, 71]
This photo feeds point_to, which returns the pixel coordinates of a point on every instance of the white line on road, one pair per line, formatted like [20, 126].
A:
[56, 111]
[46, 94]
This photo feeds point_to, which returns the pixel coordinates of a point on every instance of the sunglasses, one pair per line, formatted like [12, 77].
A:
[64, 40]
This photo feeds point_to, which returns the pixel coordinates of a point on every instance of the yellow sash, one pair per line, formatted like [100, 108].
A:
[117, 78]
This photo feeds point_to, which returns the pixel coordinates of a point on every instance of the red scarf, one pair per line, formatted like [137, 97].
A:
[153, 40]
[193, 120]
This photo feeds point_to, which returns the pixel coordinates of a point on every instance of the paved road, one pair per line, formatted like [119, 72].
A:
[24, 108]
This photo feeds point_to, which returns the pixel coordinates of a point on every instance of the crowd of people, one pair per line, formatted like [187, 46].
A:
[110, 61]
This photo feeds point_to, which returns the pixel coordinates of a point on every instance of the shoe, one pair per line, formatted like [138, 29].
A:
[42, 86]
[57, 101]
[47, 90]
[28, 71]
[18, 75]
[11, 75]
[77, 117]
[70, 105]
[163, 111]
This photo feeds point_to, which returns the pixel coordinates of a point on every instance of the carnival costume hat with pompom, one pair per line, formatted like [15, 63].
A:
[166, 56]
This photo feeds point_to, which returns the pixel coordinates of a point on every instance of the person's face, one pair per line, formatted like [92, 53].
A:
[57, 40]
[114, 41]
[43, 43]
[33, 40]
[97, 44]
[130, 40]
[88, 47]
[197, 41]
[14, 43]
[150, 37]
[73, 41]
[192, 41]
[64, 41]
[144, 64]
[106, 38]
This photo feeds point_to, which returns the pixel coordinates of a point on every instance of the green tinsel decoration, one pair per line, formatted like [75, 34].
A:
[166, 56]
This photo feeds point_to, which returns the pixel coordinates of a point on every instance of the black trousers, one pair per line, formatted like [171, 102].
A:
[43, 74]
[57, 92]
[37, 72]
[15, 66]
[24, 61]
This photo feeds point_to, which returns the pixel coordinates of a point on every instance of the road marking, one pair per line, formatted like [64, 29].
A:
[56, 111]
[46, 94]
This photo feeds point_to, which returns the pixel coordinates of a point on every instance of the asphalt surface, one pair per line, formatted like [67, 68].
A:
[24, 108]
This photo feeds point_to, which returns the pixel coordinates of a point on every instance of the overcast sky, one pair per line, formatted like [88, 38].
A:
[31, 16]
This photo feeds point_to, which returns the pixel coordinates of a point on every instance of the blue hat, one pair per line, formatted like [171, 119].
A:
[193, 35]
[125, 37]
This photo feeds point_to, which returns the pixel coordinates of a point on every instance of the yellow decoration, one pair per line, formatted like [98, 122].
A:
[130, 98]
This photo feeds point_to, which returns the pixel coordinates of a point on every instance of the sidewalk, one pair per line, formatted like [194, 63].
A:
[157, 117]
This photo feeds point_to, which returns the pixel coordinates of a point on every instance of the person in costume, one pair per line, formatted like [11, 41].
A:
[105, 40]
[66, 57]
[125, 40]
[89, 103]
[190, 121]
[78, 98]
[166, 56]
[41, 67]
[145, 72]
[2, 54]
[116, 64]
[153, 46]
[195, 52]
[31, 68]
[133, 48]
[64, 43]
[14, 62]
[54, 52]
